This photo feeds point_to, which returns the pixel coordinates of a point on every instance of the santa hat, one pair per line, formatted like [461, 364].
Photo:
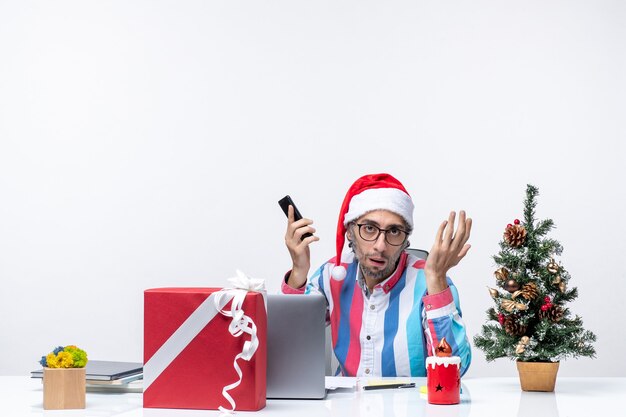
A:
[368, 193]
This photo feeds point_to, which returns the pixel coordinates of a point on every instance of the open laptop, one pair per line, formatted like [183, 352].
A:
[296, 357]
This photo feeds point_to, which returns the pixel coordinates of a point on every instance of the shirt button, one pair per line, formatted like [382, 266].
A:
[428, 307]
[369, 337]
[387, 286]
[367, 371]
[372, 307]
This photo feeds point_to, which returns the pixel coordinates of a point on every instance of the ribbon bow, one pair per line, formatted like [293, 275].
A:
[240, 324]
[244, 282]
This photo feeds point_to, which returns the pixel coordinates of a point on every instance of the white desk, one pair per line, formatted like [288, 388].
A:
[482, 397]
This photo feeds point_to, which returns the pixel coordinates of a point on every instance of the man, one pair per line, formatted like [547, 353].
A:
[387, 309]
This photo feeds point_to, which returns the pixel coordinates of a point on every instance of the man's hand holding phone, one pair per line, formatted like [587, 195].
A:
[298, 237]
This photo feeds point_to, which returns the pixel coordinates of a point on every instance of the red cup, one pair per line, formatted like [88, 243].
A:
[443, 378]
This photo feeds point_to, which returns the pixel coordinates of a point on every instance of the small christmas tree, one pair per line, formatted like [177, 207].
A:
[530, 322]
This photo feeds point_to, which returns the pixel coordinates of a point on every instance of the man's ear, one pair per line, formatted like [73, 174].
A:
[349, 235]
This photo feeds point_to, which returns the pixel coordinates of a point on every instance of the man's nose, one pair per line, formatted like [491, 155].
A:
[380, 244]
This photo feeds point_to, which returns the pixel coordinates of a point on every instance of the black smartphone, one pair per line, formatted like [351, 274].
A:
[284, 203]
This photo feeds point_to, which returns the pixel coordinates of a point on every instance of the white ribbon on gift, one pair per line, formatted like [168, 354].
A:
[201, 316]
[240, 324]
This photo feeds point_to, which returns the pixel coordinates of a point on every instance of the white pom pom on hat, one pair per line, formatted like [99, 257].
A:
[368, 193]
[338, 273]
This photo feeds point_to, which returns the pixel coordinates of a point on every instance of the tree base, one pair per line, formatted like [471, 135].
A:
[537, 376]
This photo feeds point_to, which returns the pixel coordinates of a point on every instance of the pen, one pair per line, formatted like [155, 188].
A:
[386, 386]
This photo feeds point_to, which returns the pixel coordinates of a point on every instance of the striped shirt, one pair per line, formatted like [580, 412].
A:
[391, 331]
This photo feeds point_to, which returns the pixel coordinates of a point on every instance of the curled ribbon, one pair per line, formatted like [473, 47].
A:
[239, 325]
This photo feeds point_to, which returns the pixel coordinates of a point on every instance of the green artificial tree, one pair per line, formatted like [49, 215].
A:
[530, 321]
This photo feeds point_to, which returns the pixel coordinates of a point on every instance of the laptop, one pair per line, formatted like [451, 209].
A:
[296, 356]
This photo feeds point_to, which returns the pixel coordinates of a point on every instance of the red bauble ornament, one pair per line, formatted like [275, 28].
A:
[509, 225]
[547, 299]
[516, 221]
[501, 319]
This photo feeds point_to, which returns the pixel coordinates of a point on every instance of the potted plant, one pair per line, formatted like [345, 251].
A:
[530, 322]
[64, 378]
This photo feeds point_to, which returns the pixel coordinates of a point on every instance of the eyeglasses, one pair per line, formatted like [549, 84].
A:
[394, 235]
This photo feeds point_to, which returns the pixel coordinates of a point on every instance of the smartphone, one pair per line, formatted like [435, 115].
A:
[284, 203]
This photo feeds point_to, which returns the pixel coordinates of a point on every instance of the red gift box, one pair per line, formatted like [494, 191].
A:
[189, 351]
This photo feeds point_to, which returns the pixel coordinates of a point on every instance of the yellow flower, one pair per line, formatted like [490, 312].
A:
[61, 360]
[65, 360]
[52, 360]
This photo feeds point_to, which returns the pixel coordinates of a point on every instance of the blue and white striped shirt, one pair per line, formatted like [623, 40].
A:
[391, 331]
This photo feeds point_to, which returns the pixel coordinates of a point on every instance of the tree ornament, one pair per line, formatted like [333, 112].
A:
[547, 299]
[493, 292]
[562, 286]
[553, 267]
[510, 305]
[516, 221]
[513, 327]
[515, 235]
[557, 279]
[552, 312]
[511, 286]
[521, 345]
[507, 305]
[529, 291]
[501, 319]
[501, 274]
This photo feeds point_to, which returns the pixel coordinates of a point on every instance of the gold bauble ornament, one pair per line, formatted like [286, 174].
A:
[557, 279]
[553, 267]
[493, 292]
[501, 274]
[562, 286]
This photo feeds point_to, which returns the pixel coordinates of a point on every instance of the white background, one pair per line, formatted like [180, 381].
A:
[146, 143]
